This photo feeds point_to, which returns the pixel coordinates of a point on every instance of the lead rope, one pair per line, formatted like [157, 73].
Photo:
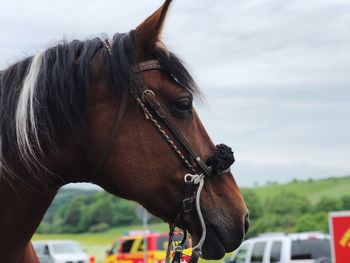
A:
[198, 180]
[195, 179]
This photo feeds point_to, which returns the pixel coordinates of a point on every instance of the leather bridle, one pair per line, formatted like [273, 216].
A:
[194, 181]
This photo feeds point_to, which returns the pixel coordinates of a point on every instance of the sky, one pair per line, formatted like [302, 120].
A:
[276, 74]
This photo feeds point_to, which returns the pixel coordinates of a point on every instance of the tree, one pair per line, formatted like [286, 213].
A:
[327, 204]
[312, 222]
[270, 222]
[99, 212]
[345, 202]
[253, 203]
[68, 217]
[287, 203]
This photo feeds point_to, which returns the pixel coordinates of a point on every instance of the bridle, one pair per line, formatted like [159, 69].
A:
[218, 163]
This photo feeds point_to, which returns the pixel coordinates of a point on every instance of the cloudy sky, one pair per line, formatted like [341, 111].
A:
[276, 74]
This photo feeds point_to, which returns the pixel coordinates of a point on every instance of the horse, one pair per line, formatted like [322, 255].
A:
[117, 113]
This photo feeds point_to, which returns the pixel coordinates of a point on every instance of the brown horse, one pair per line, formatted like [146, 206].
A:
[72, 113]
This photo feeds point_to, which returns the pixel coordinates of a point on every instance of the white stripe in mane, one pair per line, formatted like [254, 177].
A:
[25, 118]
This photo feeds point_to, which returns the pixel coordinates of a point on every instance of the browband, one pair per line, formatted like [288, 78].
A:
[148, 65]
[142, 66]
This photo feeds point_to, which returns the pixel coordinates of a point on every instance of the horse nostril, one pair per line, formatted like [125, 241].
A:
[246, 224]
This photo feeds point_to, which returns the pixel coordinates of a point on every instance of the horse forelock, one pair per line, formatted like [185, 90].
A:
[44, 99]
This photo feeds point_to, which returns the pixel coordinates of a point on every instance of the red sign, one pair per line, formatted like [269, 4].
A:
[339, 223]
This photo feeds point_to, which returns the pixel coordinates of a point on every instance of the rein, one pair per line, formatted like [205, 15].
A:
[218, 163]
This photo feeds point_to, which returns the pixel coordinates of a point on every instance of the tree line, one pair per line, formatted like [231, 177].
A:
[99, 211]
[94, 212]
[290, 212]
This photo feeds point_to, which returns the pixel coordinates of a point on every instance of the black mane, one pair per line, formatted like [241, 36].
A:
[62, 92]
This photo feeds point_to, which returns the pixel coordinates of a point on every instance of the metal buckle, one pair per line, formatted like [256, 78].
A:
[146, 92]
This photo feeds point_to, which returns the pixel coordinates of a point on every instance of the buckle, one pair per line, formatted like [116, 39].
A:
[146, 93]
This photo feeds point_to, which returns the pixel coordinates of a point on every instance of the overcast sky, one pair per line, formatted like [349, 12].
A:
[276, 74]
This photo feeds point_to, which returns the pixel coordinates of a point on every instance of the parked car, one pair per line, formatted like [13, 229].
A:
[130, 248]
[60, 251]
[308, 247]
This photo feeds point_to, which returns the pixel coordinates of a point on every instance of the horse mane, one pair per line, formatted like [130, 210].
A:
[44, 98]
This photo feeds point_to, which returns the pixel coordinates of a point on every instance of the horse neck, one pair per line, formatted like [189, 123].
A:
[22, 210]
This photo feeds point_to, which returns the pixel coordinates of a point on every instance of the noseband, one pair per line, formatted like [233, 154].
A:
[218, 163]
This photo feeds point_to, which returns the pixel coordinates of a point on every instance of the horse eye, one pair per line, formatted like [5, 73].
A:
[181, 108]
[184, 104]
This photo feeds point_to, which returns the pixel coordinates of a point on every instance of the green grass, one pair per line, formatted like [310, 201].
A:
[312, 190]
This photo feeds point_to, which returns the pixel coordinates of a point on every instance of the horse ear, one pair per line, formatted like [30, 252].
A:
[147, 34]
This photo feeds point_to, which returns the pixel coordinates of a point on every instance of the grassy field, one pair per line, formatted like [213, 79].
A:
[312, 189]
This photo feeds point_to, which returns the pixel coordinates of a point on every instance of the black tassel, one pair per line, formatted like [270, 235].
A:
[221, 159]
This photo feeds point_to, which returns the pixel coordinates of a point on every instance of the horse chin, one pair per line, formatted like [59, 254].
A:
[220, 241]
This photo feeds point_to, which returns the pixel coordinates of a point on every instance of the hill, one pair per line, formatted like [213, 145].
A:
[313, 190]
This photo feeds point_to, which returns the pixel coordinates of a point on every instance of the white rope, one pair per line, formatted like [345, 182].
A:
[199, 245]
[196, 179]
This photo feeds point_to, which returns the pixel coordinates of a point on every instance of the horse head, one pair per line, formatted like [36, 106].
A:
[141, 165]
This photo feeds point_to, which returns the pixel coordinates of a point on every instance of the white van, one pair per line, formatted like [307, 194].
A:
[60, 251]
[308, 247]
